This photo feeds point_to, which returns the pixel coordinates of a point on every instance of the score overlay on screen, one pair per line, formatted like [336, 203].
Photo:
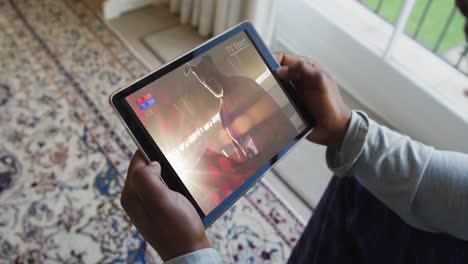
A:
[218, 118]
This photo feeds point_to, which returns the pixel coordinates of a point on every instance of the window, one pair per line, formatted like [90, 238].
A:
[401, 74]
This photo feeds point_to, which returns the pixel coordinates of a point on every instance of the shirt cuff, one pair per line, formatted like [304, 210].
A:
[340, 160]
[205, 256]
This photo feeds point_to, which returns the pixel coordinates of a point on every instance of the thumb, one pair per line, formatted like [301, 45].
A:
[148, 185]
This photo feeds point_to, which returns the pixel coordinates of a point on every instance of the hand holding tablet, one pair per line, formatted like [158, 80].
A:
[320, 96]
[216, 119]
[170, 224]
[166, 219]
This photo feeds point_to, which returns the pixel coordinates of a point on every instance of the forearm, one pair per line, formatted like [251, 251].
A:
[442, 198]
[403, 174]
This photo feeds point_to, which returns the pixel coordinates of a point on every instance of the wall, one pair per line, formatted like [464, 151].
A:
[114, 8]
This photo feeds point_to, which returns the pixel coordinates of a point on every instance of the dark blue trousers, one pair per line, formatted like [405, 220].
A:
[351, 226]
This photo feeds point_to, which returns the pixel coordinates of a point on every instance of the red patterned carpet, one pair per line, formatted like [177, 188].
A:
[64, 154]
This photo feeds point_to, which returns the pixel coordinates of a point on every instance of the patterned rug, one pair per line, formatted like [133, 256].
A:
[64, 154]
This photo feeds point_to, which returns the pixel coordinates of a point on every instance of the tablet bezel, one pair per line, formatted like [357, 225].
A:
[148, 146]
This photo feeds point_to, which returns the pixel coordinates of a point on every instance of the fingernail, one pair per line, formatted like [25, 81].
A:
[281, 70]
[155, 164]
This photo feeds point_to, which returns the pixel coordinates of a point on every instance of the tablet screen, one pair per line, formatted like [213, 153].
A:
[218, 118]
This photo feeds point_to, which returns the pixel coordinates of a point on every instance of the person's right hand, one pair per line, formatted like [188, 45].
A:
[320, 96]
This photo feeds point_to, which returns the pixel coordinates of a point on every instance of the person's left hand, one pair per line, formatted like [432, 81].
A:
[166, 219]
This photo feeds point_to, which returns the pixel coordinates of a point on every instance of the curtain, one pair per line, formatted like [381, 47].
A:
[212, 17]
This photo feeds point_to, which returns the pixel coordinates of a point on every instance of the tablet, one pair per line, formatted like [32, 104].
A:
[216, 118]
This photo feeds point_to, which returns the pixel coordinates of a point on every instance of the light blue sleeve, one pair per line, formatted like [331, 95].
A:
[202, 256]
[427, 188]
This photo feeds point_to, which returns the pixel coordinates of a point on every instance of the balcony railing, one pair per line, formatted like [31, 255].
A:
[436, 25]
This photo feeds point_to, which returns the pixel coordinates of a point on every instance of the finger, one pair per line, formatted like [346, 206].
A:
[128, 198]
[124, 197]
[299, 71]
[285, 59]
[289, 59]
[135, 211]
[148, 185]
[278, 57]
[138, 160]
